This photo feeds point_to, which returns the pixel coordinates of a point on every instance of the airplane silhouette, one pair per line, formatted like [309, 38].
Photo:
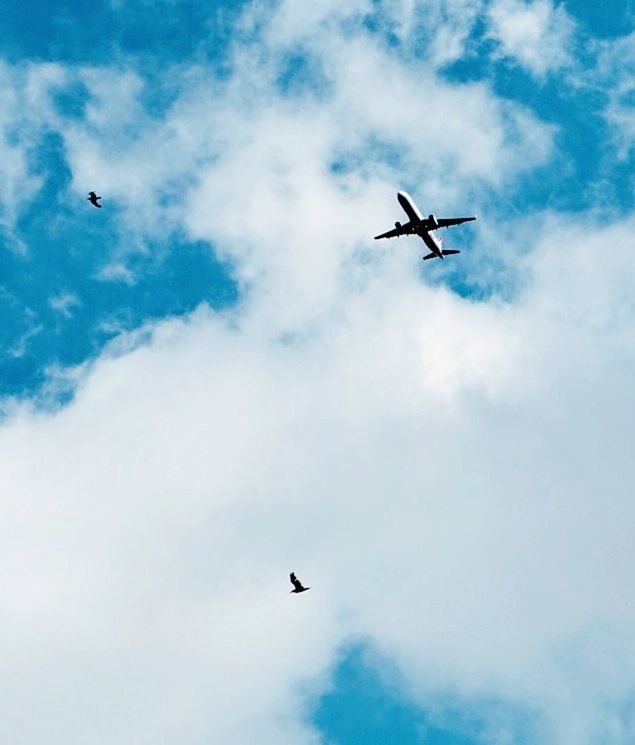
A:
[92, 198]
[424, 227]
[297, 585]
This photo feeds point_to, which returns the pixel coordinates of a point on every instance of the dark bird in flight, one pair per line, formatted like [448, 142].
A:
[94, 199]
[297, 585]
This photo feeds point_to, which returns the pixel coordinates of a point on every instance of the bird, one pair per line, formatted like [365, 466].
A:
[297, 585]
[93, 199]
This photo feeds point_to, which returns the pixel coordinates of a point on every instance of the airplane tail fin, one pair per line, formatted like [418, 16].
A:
[429, 256]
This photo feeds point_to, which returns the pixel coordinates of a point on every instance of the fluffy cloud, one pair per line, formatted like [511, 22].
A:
[386, 119]
[451, 477]
[21, 118]
[614, 77]
[537, 35]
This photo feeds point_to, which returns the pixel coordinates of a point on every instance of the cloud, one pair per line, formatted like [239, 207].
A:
[537, 35]
[64, 303]
[451, 477]
[154, 165]
[614, 77]
[21, 88]
[20, 346]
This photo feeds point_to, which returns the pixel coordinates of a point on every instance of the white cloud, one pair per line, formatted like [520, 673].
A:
[537, 34]
[614, 78]
[64, 303]
[369, 97]
[200, 153]
[21, 344]
[116, 272]
[21, 89]
[438, 29]
[452, 478]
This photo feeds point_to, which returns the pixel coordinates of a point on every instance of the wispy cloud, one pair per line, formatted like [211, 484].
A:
[64, 303]
[538, 35]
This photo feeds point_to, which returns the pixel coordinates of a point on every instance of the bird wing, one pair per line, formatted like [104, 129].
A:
[295, 581]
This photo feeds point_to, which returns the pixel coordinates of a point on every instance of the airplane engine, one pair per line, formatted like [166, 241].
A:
[398, 225]
[433, 221]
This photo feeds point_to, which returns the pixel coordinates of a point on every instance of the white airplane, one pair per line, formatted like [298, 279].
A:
[424, 227]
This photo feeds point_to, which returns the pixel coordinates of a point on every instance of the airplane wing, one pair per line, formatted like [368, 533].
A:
[447, 222]
[395, 232]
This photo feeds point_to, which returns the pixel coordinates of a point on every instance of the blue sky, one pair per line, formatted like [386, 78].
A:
[367, 706]
[73, 279]
[158, 32]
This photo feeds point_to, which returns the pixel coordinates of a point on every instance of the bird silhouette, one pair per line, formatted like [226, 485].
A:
[93, 199]
[297, 585]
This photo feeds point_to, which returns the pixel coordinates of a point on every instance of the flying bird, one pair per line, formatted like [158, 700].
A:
[94, 199]
[297, 585]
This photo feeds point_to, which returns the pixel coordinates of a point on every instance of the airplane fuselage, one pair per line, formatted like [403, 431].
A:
[418, 224]
[433, 242]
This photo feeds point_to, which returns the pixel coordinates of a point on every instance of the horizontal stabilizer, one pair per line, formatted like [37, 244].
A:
[449, 251]
[429, 256]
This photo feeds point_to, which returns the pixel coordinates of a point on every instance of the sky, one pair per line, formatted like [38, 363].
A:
[220, 377]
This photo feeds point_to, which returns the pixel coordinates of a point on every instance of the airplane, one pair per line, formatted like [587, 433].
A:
[424, 227]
